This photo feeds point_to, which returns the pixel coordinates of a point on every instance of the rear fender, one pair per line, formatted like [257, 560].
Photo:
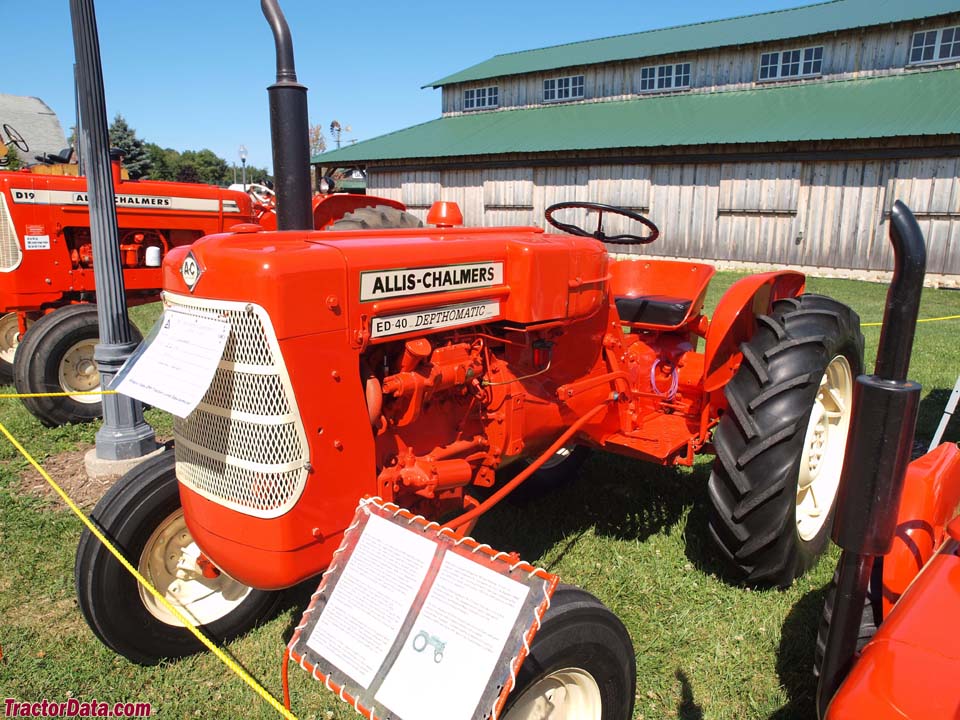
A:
[734, 321]
[327, 209]
[931, 498]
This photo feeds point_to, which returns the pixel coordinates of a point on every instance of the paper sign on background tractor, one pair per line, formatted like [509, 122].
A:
[413, 623]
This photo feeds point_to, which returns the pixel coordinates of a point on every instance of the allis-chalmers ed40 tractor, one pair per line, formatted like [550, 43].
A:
[47, 286]
[416, 364]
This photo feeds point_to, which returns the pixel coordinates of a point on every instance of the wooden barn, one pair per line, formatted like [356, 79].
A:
[781, 138]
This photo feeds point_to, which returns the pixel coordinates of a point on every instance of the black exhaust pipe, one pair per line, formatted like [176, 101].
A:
[289, 128]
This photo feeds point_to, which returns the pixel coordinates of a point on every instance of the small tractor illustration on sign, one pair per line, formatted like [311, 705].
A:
[423, 638]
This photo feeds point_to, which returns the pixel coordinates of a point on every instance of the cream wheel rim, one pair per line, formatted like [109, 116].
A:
[823, 448]
[169, 562]
[9, 336]
[568, 694]
[78, 371]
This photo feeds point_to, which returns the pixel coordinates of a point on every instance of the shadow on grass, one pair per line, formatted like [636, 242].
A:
[928, 418]
[795, 657]
[687, 708]
[616, 497]
[296, 599]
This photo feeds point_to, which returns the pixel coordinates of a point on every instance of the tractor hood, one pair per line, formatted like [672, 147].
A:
[390, 284]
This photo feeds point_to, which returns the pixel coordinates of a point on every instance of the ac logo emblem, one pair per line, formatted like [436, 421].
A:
[190, 271]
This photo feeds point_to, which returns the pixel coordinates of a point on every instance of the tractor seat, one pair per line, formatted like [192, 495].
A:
[653, 309]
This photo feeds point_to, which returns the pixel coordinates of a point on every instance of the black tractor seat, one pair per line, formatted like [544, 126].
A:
[653, 309]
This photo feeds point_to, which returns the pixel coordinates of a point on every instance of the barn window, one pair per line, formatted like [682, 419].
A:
[665, 77]
[563, 88]
[935, 45]
[477, 98]
[799, 62]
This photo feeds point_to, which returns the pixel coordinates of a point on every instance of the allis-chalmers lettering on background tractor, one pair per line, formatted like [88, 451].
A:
[414, 364]
[47, 287]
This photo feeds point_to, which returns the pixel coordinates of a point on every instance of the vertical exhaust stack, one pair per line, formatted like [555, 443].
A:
[288, 130]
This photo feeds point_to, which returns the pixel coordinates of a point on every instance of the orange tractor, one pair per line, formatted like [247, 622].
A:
[47, 287]
[416, 364]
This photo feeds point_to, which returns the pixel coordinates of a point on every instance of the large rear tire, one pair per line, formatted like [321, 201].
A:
[141, 513]
[56, 355]
[378, 217]
[780, 447]
[581, 664]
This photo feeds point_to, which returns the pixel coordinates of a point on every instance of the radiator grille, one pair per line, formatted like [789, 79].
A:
[10, 254]
[244, 446]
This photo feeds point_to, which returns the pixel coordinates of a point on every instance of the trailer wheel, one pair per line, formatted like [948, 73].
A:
[869, 620]
[379, 217]
[56, 355]
[9, 340]
[141, 513]
[780, 447]
[581, 664]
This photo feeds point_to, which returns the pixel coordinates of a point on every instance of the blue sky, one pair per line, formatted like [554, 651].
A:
[194, 74]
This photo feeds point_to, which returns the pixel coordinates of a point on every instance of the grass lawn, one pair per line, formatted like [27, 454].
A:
[633, 534]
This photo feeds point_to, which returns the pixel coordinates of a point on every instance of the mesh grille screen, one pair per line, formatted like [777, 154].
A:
[9, 246]
[244, 446]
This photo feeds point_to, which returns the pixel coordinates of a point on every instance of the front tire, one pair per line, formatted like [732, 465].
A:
[780, 447]
[56, 355]
[142, 515]
[581, 664]
[9, 340]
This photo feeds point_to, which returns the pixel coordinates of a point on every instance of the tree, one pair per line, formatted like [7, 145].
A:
[12, 159]
[164, 162]
[318, 143]
[187, 173]
[135, 157]
[207, 166]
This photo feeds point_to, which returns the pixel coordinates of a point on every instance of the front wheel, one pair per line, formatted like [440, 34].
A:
[56, 355]
[780, 447]
[141, 513]
[9, 339]
[581, 664]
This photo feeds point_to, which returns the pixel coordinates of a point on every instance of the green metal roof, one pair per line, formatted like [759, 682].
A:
[779, 25]
[914, 103]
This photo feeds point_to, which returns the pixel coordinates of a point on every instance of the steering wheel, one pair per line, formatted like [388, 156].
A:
[598, 234]
[15, 138]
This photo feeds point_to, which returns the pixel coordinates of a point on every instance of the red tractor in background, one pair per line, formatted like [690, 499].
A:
[47, 287]
[889, 641]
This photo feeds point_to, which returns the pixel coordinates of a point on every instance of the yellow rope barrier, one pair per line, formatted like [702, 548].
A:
[221, 655]
[921, 320]
[58, 394]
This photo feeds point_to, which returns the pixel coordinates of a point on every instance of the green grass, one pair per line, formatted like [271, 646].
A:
[631, 533]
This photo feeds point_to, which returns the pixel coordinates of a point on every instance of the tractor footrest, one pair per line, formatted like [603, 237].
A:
[653, 309]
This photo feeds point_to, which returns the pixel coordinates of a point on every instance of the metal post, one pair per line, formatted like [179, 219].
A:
[76, 122]
[124, 434]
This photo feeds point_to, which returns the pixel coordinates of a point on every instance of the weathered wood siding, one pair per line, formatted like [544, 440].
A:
[847, 54]
[821, 213]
